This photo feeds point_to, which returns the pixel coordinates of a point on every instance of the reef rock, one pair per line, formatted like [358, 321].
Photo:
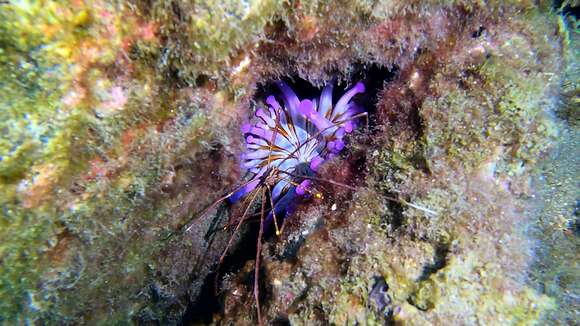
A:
[121, 130]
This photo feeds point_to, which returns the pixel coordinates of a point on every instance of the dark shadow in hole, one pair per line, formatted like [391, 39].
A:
[281, 321]
[202, 310]
[567, 10]
[441, 252]
[574, 225]
[380, 301]
[374, 77]
[477, 33]
[207, 304]
[396, 218]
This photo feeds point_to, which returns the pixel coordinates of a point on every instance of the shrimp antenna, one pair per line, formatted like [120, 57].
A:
[335, 124]
[185, 227]
[231, 239]
[257, 262]
[273, 210]
[428, 211]
[320, 179]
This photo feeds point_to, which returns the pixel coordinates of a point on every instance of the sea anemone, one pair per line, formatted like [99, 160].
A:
[294, 140]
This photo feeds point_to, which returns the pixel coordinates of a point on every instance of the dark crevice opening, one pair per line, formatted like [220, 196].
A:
[567, 10]
[374, 77]
[380, 300]
[396, 217]
[281, 321]
[207, 304]
[201, 311]
[440, 261]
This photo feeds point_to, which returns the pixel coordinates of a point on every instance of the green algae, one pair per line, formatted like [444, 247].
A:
[452, 289]
[208, 37]
[30, 92]
[499, 111]
[31, 134]
[486, 113]
[462, 139]
[74, 200]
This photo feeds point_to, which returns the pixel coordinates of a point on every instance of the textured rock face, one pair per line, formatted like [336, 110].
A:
[120, 125]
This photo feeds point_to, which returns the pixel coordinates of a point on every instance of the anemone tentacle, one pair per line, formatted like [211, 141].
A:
[296, 139]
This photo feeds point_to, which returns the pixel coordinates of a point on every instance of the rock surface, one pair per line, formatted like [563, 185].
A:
[120, 125]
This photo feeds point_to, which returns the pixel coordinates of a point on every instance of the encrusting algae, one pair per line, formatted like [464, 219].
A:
[120, 123]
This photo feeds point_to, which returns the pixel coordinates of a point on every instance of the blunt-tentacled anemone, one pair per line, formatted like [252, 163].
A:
[294, 140]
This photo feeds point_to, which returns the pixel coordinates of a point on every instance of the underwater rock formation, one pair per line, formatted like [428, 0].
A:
[289, 143]
[120, 125]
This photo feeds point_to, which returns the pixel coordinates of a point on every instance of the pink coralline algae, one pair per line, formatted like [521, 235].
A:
[295, 139]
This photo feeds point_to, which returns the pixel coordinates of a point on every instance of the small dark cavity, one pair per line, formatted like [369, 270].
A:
[478, 32]
[281, 321]
[207, 304]
[567, 10]
[177, 11]
[173, 76]
[380, 299]
[374, 77]
[134, 52]
[202, 310]
[440, 260]
[395, 216]
[201, 80]
[76, 188]
[420, 307]
[216, 224]
[245, 251]
[359, 163]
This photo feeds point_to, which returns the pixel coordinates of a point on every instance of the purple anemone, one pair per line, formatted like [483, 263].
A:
[295, 139]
